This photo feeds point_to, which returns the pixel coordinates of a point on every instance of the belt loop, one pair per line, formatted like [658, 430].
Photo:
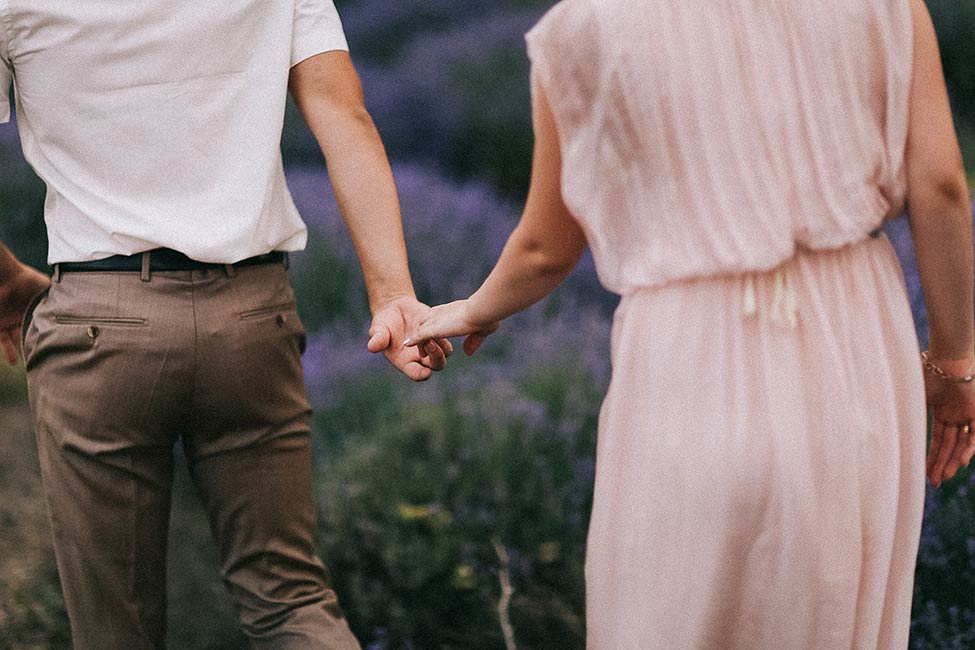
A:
[230, 270]
[287, 261]
[146, 275]
[56, 277]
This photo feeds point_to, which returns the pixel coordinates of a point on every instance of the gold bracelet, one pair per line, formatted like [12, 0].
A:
[939, 372]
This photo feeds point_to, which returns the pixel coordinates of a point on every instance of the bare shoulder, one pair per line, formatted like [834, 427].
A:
[927, 58]
[923, 26]
[934, 161]
[570, 27]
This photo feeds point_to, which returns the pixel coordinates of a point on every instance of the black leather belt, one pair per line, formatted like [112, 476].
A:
[165, 259]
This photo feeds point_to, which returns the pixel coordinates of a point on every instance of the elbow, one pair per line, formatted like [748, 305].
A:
[546, 260]
[953, 191]
[339, 127]
[345, 111]
[357, 113]
[940, 193]
[348, 113]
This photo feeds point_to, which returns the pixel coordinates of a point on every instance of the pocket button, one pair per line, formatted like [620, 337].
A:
[280, 320]
[92, 332]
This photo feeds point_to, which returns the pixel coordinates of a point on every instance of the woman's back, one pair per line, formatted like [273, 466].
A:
[712, 136]
[760, 457]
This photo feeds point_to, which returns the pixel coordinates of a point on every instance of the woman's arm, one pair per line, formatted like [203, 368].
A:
[539, 254]
[941, 226]
[548, 241]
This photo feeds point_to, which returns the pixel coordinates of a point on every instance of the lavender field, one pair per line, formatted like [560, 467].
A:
[433, 497]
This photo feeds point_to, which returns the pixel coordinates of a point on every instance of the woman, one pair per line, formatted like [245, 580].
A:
[760, 461]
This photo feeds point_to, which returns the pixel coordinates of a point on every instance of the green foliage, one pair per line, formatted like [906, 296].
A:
[328, 288]
[953, 515]
[497, 144]
[201, 612]
[943, 610]
[416, 485]
[33, 617]
[417, 495]
[966, 138]
[31, 607]
[21, 208]
[954, 21]
[13, 384]
[387, 45]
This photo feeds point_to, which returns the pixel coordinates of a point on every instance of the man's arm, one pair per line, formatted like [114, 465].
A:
[329, 96]
[19, 284]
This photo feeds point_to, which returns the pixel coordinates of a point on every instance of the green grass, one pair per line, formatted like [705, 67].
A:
[32, 613]
[31, 608]
[966, 139]
[13, 384]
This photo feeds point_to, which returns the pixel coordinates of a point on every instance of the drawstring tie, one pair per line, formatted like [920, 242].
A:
[784, 308]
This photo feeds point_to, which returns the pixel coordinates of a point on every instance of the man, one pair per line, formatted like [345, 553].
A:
[156, 126]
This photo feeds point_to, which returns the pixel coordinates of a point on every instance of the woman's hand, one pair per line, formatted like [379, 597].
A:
[16, 292]
[952, 407]
[449, 320]
[394, 321]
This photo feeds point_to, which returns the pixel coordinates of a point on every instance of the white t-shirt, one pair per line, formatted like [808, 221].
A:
[157, 123]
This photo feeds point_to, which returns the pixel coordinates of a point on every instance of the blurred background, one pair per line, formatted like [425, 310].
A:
[433, 496]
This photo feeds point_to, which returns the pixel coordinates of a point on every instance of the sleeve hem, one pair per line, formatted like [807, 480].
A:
[306, 53]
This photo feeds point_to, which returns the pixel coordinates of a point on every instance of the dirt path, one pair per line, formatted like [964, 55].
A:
[31, 610]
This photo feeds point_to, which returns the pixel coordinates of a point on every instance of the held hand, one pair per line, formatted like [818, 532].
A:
[450, 320]
[389, 328]
[16, 292]
[952, 407]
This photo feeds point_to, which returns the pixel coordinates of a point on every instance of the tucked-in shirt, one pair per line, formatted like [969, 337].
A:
[707, 137]
[157, 123]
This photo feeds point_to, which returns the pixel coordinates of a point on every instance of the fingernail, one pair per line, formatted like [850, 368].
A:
[408, 342]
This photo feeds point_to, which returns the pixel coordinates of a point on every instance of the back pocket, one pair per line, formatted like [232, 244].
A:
[271, 310]
[101, 320]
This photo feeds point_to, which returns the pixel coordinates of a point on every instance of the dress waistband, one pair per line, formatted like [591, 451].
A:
[784, 305]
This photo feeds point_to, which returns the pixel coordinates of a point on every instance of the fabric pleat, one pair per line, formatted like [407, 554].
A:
[759, 482]
[760, 464]
[705, 137]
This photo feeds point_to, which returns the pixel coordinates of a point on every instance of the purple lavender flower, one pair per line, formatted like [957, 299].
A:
[899, 233]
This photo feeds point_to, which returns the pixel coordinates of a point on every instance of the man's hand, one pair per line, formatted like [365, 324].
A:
[389, 328]
[16, 292]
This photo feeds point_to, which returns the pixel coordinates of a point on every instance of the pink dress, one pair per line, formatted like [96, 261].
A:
[759, 480]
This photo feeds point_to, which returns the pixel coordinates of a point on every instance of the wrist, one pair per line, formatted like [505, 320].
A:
[475, 314]
[381, 302]
[949, 369]
[952, 347]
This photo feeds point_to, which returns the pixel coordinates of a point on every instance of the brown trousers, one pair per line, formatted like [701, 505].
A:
[118, 370]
